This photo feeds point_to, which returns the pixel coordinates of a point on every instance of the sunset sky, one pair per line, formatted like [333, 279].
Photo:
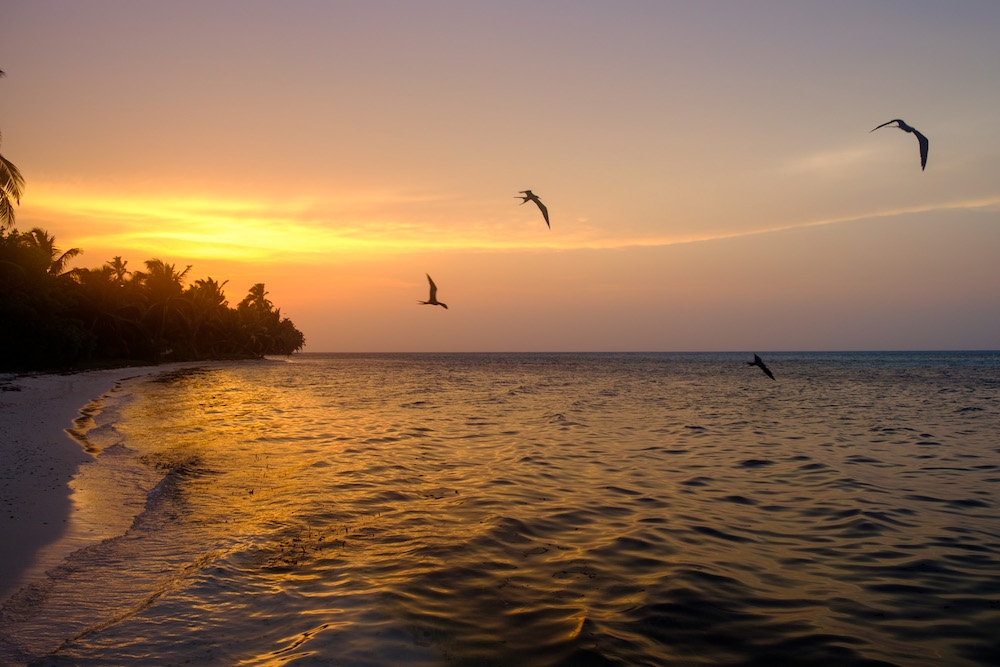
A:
[708, 167]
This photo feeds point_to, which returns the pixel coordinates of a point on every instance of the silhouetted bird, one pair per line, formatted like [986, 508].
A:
[433, 301]
[921, 139]
[531, 196]
[759, 363]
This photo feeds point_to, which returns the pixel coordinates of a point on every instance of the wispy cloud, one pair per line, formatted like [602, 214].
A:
[827, 161]
[311, 230]
[990, 203]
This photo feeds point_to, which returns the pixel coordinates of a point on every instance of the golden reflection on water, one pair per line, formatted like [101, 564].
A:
[544, 510]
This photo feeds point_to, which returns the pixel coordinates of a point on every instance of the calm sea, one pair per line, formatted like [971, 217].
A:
[550, 509]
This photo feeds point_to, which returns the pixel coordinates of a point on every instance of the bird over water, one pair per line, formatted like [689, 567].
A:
[757, 361]
[921, 139]
[531, 196]
[432, 301]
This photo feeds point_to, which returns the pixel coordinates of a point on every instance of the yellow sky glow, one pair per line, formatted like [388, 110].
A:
[242, 229]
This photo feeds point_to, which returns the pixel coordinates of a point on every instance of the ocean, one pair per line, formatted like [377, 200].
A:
[533, 509]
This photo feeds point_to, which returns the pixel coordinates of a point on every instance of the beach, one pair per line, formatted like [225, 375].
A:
[40, 458]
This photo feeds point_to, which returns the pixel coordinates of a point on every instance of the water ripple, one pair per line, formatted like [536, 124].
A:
[540, 510]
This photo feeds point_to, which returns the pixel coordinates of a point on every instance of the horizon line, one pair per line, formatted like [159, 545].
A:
[748, 350]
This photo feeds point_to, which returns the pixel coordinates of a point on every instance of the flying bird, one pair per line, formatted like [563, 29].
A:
[921, 139]
[433, 301]
[760, 364]
[531, 196]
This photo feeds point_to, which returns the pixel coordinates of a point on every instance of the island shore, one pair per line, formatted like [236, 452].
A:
[38, 458]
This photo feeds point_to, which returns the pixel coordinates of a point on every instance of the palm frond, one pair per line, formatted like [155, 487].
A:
[11, 186]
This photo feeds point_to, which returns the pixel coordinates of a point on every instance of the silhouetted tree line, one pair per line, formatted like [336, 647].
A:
[51, 317]
[54, 318]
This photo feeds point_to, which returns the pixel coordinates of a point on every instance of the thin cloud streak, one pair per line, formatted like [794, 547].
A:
[985, 204]
[312, 231]
[834, 160]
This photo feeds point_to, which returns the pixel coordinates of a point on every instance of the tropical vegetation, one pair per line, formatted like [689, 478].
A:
[53, 317]
[11, 184]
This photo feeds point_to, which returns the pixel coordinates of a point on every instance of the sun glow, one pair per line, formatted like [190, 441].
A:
[315, 230]
[262, 230]
[195, 227]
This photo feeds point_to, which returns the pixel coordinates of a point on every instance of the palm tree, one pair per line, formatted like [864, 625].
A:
[101, 305]
[253, 314]
[118, 270]
[161, 280]
[263, 329]
[256, 299]
[40, 240]
[163, 287]
[206, 307]
[11, 185]
[288, 339]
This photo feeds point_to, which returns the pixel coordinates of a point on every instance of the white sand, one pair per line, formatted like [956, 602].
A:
[38, 459]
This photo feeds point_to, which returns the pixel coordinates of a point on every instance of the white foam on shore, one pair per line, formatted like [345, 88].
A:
[43, 517]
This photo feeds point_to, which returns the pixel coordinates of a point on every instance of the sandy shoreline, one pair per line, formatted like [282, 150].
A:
[38, 459]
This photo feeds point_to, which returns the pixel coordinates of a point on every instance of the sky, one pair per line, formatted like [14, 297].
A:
[709, 169]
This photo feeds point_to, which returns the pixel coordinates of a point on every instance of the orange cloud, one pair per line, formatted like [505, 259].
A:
[356, 225]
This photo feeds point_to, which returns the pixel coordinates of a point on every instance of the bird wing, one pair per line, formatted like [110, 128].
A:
[434, 288]
[923, 149]
[757, 361]
[545, 212]
[894, 120]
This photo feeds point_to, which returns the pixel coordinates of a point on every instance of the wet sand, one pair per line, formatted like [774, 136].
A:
[38, 458]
